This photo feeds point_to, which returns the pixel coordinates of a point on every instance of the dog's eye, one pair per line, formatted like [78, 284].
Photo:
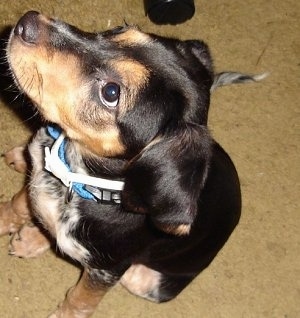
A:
[109, 94]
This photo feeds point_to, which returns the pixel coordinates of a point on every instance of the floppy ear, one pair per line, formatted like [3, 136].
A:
[201, 51]
[165, 180]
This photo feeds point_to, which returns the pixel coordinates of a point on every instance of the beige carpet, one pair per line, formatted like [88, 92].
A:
[257, 274]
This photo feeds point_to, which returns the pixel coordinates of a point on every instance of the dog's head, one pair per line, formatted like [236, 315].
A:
[124, 93]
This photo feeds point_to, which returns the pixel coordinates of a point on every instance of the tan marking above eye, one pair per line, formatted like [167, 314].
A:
[132, 37]
[132, 72]
[134, 77]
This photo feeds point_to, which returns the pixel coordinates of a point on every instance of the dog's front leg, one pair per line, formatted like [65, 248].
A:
[82, 299]
[14, 213]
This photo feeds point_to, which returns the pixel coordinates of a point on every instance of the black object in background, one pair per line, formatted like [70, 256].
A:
[169, 11]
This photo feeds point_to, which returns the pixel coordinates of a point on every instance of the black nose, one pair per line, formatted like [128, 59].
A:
[27, 27]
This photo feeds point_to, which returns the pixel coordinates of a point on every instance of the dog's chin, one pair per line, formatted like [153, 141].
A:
[21, 64]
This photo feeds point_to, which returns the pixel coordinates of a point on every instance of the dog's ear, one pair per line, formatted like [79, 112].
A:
[201, 51]
[166, 178]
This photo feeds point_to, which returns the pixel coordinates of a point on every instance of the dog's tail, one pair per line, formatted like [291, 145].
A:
[227, 78]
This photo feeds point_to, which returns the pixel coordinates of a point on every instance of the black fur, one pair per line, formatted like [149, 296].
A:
[175, 174]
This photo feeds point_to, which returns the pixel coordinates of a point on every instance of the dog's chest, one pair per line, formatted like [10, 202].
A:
[47, 196]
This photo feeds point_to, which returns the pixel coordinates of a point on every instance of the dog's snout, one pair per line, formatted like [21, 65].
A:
[27, 28]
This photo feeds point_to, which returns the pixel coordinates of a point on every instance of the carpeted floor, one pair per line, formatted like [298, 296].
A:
[257, 274]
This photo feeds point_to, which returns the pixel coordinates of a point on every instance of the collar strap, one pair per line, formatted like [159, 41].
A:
[88, 187]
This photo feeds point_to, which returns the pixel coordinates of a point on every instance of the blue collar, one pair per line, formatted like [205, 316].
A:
[84, 190]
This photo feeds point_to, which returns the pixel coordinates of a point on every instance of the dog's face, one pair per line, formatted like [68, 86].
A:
[125, 94]
[113, 92]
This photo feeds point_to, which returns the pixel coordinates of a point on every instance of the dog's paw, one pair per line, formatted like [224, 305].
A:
[28, 242]
[70, 309]
[55, 314]
[60, 312]
[15, 159]
[66, 314]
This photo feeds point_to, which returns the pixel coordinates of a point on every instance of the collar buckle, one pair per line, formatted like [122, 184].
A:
[104, 196]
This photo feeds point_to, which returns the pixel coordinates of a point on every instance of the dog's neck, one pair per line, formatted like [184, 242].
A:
[87, 185]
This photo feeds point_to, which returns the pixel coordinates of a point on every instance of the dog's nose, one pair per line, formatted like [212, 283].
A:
[27, 27]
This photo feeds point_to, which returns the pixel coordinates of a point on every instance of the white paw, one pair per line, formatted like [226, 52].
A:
[28, 242]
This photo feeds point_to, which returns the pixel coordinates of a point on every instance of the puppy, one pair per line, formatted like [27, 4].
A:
[125, 174]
